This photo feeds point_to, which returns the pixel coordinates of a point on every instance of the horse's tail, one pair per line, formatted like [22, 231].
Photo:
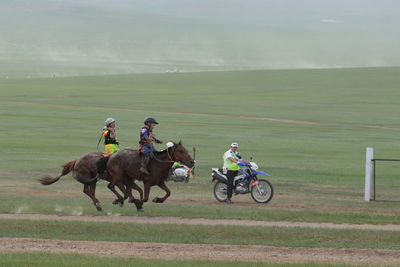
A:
[67, 168]
[84, 180]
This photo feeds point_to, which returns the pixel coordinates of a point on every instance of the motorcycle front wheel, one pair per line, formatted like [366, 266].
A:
[262, 192]
[220, 191]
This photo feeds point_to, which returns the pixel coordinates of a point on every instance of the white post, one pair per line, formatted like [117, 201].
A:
[369, 169]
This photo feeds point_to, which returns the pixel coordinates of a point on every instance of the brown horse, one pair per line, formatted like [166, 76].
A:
[85, 166]
[124, 166]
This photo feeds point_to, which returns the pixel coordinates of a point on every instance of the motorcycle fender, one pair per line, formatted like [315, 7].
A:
[216, 177]
[262, 173]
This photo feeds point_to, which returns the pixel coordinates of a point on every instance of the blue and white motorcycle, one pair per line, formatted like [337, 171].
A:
[245, 182]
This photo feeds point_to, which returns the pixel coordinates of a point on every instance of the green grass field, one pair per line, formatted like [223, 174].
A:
[307, 128]
[43, 259]
[50, 121]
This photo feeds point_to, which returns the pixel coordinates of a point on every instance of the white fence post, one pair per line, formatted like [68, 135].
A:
[369, 169]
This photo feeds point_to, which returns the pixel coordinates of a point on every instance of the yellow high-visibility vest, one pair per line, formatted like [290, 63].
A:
[232, 166]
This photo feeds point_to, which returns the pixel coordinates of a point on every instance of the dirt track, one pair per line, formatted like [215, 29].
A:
[201, 251]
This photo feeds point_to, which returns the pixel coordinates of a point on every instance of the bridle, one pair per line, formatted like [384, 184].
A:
[164, 161]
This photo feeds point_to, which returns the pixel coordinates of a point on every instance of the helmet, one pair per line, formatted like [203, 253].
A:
[109, 121]
[150, 120]
[234, 145]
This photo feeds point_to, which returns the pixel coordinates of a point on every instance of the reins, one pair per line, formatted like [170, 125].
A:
[163, 161]
[98, 143]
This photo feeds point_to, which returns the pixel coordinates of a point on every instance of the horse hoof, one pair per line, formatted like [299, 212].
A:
[140, 210]
[157, 200]
[115, 202]
[132, 200]
[98, 207]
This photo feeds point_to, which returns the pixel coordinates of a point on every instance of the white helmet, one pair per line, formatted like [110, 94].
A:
[170, 144]
[109, 121]
[234, 145]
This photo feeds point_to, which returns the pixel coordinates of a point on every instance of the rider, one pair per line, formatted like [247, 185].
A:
[110, 137]
[231, 168]
[146, 139]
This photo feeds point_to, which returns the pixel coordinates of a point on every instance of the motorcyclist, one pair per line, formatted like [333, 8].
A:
[147, 137]
[231, 168]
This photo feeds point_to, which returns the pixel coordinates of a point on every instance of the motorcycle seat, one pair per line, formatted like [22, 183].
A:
[218, 170]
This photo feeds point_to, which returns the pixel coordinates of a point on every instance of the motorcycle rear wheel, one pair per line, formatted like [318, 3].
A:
[220, 191]
[262, 192]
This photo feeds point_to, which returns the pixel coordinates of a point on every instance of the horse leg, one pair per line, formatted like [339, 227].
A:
[167, 191]
[119, 200]
[124, 189]
[90, 191]
[147, 187]
[137, 188]
[127, 191]
[139, 203]
[127, 185]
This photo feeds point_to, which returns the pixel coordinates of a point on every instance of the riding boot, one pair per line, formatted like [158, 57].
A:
[145, 161]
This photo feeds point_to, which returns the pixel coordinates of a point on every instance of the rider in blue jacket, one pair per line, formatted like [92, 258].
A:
[147, 137]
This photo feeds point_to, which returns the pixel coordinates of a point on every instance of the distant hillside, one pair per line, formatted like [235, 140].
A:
[80, 37]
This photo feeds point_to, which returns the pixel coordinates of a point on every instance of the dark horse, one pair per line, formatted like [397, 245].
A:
[85, 166]
[123, 167]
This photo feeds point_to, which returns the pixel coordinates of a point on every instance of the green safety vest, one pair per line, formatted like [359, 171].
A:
[232, 166]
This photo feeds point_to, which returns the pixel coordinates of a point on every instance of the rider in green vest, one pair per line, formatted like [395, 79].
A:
[231, 168]
[110, 137]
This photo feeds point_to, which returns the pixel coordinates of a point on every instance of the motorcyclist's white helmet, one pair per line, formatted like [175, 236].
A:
[234, 144]
[170, 144]
[109, 121]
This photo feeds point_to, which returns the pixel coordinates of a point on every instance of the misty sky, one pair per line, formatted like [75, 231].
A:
[73, 37]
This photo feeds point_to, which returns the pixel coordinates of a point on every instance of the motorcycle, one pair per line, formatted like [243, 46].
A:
[245, 182]
[180, 173]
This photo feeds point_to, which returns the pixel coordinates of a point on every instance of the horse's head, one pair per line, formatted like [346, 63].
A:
[180, 154]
